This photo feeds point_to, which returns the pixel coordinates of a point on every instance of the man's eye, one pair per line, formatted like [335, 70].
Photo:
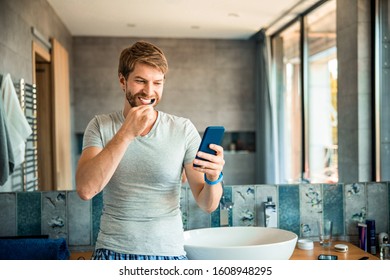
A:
[140, 81]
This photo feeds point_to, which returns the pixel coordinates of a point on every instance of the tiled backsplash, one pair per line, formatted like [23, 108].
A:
[64, 214]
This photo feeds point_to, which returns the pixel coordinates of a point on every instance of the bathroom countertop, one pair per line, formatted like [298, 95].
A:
[80, 255]
[354, 252]
[81, 252]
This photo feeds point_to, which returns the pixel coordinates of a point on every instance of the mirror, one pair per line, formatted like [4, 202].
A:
[211, 82]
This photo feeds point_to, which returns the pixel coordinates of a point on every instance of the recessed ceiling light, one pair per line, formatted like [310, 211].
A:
[233, 15]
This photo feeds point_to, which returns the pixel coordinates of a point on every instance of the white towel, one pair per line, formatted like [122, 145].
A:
[6, 155]
[18, 128]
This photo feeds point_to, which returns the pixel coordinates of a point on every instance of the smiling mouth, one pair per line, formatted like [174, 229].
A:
[145, 101]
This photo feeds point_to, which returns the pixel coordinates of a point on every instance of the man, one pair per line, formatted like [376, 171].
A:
[136, 156]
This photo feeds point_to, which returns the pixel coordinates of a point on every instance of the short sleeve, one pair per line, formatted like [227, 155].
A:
[92, 136]
[192, 142]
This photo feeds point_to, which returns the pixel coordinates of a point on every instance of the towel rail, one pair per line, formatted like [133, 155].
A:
[25, 176]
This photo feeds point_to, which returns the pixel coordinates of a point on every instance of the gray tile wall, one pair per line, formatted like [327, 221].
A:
[355, 131]
[209, 81]
[79, 225]
[16, 19]
[8, 214]
[29, 212]
[54, 214]
[239, 168]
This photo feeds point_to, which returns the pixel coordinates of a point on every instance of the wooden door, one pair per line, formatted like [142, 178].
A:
[61, 117]
[42, 79]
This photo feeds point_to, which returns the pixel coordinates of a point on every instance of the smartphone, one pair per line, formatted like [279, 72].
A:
[212, 135]
[327, 257]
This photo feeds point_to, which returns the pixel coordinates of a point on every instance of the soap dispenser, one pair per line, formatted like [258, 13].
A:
[270, 213]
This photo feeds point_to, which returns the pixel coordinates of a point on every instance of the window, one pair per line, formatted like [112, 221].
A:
[321, 95]
[382, 89]
[305, 65]
[287, 62]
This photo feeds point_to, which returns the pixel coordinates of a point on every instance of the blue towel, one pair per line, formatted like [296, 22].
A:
[34, 249]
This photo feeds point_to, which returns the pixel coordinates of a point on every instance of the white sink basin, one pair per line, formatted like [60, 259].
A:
[239, 243]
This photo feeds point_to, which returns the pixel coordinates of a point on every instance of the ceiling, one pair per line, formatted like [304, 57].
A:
[214, 19]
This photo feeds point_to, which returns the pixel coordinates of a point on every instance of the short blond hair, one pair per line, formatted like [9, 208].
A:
[142, 52]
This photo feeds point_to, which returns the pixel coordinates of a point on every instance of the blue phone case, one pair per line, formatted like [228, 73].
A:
[212, 135]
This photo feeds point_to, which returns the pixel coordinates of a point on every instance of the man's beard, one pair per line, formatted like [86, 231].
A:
[132, 98]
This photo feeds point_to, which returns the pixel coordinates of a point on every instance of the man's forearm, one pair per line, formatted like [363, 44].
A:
[94, 173]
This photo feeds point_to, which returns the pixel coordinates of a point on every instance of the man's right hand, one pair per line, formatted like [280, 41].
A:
[139, 121]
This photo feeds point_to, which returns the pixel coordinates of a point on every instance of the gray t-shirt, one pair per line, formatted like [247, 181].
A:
[141, 213]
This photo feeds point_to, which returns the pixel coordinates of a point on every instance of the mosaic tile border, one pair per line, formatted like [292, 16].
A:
[64, 214]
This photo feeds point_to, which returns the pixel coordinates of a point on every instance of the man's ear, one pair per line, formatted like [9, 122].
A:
[122, 81]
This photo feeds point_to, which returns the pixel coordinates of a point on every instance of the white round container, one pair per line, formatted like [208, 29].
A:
[305, 244]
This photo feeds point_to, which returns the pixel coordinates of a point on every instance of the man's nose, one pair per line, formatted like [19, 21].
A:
[148, 88]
